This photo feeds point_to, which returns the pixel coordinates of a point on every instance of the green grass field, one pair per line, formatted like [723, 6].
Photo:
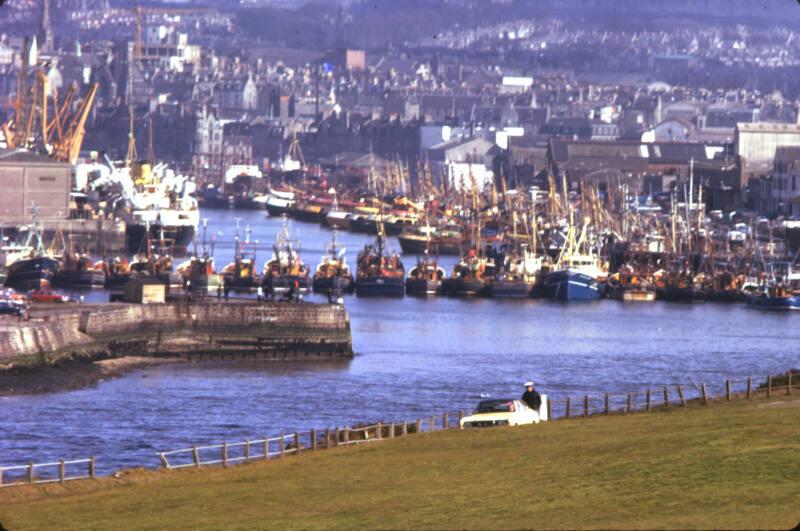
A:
[726, 466]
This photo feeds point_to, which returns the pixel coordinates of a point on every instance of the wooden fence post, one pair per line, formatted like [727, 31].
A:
[630, 402]
[282, 446]
[247, 450]
[444, 421]
[666, 396]
[648, 400]
[30, 472]
[391, 430]
[346, 435]
[61, 471]
[680, 395]
[419, 425]
[163, 459]
[704, 392]
[378, 432]
[549, 411]
[297, 442]
[789, 387]
[769, 386]
[585, 405]
[461, 415]
[606, 404]
[225, 455]
[336, 437]
[433, 423]
[749, 387]
[1, 476]
[405, 428]
[266, 447]
[728, 394]
[568, 408]
[92, 467]
[313, 440]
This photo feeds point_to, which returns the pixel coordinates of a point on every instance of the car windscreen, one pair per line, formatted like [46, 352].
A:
[495, 406]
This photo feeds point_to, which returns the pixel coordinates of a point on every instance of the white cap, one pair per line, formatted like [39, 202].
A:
[528, 384]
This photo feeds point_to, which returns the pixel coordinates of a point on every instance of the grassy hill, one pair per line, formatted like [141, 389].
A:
[724, 466]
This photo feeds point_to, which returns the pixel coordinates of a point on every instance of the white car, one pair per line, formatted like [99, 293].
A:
[505, 412]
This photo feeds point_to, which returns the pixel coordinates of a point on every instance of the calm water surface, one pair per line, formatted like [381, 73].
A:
[415, 358]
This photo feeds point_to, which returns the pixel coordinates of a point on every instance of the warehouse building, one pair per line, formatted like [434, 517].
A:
[29, 179]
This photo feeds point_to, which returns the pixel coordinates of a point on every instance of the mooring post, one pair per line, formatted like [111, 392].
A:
[769, 386]
[666, 396]
[648, 400]
[568, 408]
[225, 455]
[61, 471]
[680, 395]
[313, 440]
[606, 404]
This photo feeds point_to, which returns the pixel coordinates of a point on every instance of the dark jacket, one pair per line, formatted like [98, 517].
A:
[533, 399]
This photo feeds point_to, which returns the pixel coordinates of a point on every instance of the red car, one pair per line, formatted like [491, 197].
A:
[47, 295]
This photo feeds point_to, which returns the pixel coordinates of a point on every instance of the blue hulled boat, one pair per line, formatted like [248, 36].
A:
[379, 274]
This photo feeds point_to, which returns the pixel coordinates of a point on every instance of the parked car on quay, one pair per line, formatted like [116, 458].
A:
[47, 295]
[504, 412]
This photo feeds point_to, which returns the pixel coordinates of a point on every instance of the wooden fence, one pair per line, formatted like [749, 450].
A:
[55, 472]
[583, 406]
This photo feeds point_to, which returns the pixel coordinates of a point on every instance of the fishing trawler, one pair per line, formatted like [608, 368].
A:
[446, 241]
[425, 278]
[242, 274]
[33, 268]
[519, 276]
[285, 273]
[198, 272]
[332, 275]
[378, 272]
[578, 270]
[629, 286]
[471, 276]
[279, 202]
[780, 291]
[157, 262]
[76, 268]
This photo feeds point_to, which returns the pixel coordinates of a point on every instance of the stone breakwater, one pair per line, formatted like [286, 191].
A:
[203, 330]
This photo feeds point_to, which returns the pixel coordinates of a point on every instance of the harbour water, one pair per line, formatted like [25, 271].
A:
[415, 357]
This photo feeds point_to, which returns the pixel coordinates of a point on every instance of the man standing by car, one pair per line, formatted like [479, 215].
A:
[531, 397]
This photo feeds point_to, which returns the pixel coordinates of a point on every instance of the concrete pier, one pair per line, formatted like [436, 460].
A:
[199, 330]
